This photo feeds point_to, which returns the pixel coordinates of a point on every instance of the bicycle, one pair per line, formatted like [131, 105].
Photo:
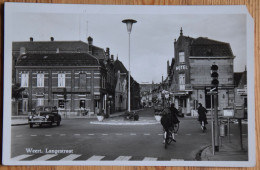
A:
[203, 126]
[168, 138]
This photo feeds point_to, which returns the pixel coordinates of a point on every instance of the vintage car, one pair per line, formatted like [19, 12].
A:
[44, 115]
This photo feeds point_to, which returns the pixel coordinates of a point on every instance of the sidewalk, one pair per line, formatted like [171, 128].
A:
[228, 151]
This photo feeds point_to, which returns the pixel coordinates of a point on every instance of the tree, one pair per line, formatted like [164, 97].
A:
[16, 95]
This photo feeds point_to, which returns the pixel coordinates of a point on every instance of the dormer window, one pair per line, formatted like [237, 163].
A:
[181, 57]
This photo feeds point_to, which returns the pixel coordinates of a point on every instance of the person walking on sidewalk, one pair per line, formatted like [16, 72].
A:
[202, 116]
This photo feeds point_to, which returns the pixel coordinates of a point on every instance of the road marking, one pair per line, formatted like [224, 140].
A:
[177, 159]
[104, 134]
[70, 157]
[188, 134]
[203, 134]
[91, 134]
[45, 157]
[47, 135]
[20, 157]
[95, 158]
[62, 134]
[160, 134]
[33, 135]
[19, 136]
[123, 158]
[132, 134]
[77, 134]
[147, 134]
[118, 133]
[149, 159]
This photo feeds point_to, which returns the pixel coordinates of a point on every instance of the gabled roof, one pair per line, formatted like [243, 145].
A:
[207, 47]
[57, 59]
[51, 46]
[237, 77]
[240, 79]
[120, 66]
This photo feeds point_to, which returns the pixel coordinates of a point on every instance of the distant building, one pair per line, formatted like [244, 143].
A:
[189, 75]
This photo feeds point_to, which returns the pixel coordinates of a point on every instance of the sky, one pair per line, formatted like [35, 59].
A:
[152, 37]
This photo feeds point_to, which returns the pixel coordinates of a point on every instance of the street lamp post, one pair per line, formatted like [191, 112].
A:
[129, 23]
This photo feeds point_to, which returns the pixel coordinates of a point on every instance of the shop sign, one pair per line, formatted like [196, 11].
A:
[182, 67]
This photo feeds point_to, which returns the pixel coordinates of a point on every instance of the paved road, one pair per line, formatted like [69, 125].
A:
[83, 140]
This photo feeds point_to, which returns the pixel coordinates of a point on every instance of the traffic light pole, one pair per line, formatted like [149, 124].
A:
[212, 128]
[216, 123]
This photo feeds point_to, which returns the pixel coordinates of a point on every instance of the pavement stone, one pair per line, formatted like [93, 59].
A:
[228, 151]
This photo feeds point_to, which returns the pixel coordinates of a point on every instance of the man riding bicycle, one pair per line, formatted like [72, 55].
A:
[169, 119]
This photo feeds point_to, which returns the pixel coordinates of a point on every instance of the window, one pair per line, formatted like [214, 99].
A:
[61, 104]
[24, 80]
[40, 101]
[40, 80]
[181, 57]
[82, 80]
[82, 104]
[61, 80]
[182, 81]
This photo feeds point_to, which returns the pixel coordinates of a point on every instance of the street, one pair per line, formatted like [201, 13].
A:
[83, 139]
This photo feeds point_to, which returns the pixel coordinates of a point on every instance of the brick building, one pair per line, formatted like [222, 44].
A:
[189, 75]
[72, 75]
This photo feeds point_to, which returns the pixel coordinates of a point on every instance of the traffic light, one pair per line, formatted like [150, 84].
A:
[214, 75]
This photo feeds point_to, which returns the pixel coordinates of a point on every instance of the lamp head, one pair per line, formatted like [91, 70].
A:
[129, 23]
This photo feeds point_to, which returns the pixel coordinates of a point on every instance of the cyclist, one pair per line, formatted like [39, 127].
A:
[169, 119]
[202, 116]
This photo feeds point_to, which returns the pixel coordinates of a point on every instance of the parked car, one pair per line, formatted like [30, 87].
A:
[44, 115]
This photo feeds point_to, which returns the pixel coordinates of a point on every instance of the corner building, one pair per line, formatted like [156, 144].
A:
[190, 73]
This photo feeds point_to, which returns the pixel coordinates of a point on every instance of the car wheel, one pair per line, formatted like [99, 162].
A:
[58, 123]
[31, 125]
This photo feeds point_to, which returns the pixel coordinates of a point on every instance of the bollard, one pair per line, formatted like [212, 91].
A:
[223, 130]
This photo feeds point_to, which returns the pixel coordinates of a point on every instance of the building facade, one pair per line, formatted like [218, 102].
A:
[71, 75]
[189, 75]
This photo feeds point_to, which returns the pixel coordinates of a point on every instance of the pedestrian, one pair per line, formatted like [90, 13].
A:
[202, 116]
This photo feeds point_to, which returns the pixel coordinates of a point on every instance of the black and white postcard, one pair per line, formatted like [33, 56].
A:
[128, 85]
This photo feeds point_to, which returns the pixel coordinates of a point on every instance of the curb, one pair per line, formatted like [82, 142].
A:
[200, 155]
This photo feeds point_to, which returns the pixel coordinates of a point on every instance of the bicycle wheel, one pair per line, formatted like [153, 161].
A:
[166, 141]
[176, 128]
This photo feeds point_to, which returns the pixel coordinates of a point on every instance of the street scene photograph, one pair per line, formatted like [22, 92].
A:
[93, 84]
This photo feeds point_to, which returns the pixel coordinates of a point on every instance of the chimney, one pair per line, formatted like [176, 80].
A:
[90, 44]
[107, 52]
[31, 39]
[112, 58]
[90, 40]
[181, 34]
[52, 39]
